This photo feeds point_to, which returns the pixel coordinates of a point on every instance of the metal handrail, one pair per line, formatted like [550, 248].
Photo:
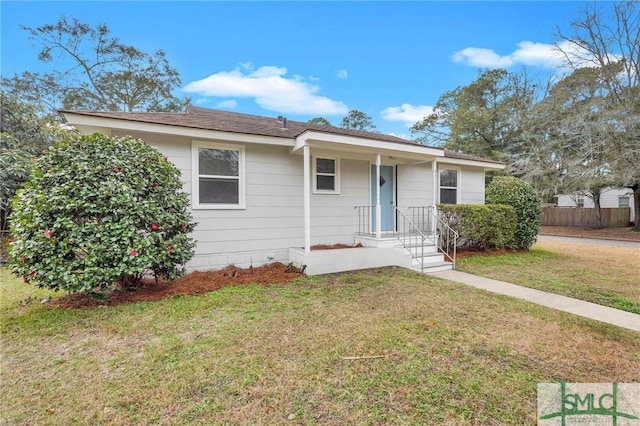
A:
[446, 240]
[422, 216]
[408, 237]
[425, 223]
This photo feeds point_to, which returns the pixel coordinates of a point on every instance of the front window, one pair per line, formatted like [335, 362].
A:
[326, 176]
[218, 176]
[580, 202]
[623, 202]
[449, 186]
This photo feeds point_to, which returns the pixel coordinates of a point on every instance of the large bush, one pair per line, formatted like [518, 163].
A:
[527, 204]
[98, 211]
[485, 227]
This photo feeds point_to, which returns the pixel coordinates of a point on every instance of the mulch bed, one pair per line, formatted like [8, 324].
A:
[203, 282]
[335, 246]
[194, 283]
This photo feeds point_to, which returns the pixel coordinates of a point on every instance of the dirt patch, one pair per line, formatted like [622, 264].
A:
[611, 233]
[194, 283]
[335, 246]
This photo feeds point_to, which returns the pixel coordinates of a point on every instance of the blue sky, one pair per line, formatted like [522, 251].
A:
[391, 60]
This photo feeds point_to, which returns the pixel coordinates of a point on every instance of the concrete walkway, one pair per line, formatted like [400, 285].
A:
[563, 303]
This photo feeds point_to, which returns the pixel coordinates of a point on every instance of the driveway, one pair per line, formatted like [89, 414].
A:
[596, 241]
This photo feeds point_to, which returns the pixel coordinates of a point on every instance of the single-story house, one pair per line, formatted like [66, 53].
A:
[269, 189]
[610, 198]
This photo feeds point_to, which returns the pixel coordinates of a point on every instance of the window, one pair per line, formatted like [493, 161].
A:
[449, 186]
[623, 202]
[218, 176]
[326, 175]
[580, 202]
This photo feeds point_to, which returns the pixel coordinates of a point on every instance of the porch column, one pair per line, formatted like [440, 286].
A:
[307, 198]
[434, 172]
[378, 206]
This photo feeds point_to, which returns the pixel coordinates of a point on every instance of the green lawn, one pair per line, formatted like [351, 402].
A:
[449, 354]
[605, 275]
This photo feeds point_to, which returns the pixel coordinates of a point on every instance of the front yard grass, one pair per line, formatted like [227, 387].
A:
[605, 275]
[276, 355]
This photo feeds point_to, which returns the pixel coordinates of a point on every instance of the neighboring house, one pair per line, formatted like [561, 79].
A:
[266, 189]
[610, 198]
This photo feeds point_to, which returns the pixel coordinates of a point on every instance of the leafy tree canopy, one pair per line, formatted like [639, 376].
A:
[94, 70]
[481, 118]
[358, 120]
[24, 134]
[319, 121]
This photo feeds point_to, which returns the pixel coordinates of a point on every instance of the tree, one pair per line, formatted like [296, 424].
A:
[14, 171]
[26, 124]
[319, 121]
[24, 135]
[612, 43]
[482, 118]
[358, 120]
[96, 71]
[98, 210]
[570, 135]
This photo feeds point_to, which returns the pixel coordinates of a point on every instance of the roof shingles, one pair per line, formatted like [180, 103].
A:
[225, 121]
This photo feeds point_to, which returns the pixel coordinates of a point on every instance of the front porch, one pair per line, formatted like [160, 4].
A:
[389, 179]
[389, 236]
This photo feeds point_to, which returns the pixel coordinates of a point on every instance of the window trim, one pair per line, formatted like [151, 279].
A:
[336, 175]
[458, 183]
[628, 202]
[195, 176]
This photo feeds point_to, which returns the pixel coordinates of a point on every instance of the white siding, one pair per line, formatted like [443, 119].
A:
[333, 216]
[272, 221]
[471, 185]
[415, 185]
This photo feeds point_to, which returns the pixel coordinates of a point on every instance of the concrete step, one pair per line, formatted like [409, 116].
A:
[420, 250]
[434, 267]
[417, 241]
[427, 259]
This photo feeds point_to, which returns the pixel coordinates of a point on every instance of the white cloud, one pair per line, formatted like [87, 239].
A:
[407, 113]
[270, 88]
[527, 53]
[484, 58]
[342, 74]
[228, 104]
[400, 135]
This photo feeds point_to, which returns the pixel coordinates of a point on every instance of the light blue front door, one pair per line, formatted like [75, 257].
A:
[386, 198]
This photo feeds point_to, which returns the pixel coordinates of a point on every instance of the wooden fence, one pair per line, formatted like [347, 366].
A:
[585, 217]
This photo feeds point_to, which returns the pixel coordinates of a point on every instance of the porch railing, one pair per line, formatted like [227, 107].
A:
[447, 240]
[420, 224]
[411, 237]
[367, 220]
[422, 217]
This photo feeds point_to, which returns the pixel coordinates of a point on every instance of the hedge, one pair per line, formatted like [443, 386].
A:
[527, 204]
[485, 227]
